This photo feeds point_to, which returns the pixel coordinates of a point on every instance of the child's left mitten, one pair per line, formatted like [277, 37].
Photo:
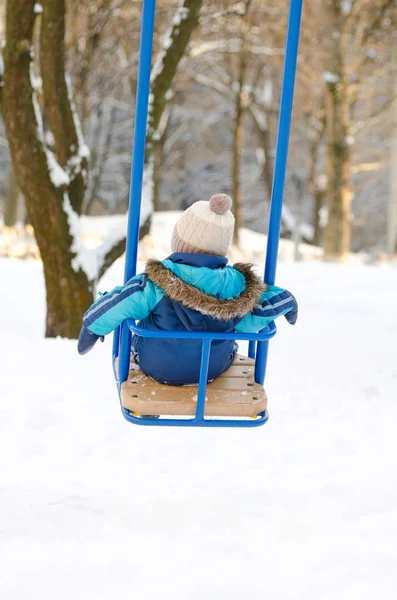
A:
[87, 340]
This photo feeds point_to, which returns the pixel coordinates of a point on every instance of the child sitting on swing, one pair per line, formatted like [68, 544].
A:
[194, 289]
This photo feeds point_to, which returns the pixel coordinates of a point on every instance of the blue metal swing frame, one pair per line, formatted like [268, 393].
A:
[258, 342]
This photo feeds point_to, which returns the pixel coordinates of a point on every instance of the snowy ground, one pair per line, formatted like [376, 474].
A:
[304, 508]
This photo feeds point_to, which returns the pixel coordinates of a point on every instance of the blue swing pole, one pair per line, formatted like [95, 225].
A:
[137, 166]
[280, 167]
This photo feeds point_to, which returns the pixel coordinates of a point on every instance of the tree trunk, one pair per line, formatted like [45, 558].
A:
[392, 211]
[267, 167]
[68, 297]
[238, 127]
[12, 198]
[236, 159]
[319, 198]
[54, 184]
[157, 159]
[41, 179]
[337, 237]
[317, 182]
[158, 153]
[260, 118]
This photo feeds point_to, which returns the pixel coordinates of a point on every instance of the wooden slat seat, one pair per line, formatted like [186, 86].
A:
[233, 394]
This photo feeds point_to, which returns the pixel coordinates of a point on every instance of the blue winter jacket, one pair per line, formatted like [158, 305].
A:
[189, 292]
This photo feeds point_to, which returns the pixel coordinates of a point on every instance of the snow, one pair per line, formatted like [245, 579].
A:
[115, 235]
[158, 65]
[147, 192]
[347, 6]
[101, 226]
[330, 77]
[323, 214]
[83, 151]
[267, 93]
[94, 236]
[260, 156]
[302, 508]
[58, 175]
[85, 258]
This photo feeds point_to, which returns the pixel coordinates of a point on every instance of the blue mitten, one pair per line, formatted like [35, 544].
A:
[87, 340]
[292, 315]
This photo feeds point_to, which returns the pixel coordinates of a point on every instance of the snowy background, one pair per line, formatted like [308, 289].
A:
[302, 508]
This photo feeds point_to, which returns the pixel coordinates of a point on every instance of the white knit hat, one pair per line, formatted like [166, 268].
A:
[205, 227]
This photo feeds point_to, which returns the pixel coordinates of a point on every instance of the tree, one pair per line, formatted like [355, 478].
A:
[238, 131]
[353, 26]
[392, 213]
[54, 182]
[12, 200]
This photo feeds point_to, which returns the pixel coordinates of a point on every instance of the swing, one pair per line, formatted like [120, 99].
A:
[237, 398]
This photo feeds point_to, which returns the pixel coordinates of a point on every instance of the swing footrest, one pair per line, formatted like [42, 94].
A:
[233, 394]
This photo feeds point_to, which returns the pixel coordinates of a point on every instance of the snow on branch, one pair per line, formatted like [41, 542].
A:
[94, 261]
[238, 8]
[164, 121]
[346, 6]
[58, 175]
[82, 152]
[85, 258]
[329, 77]
[232, 46]
[259, 116]
[367, 167]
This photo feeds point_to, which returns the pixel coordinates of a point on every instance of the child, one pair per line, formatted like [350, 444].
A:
[192, 290]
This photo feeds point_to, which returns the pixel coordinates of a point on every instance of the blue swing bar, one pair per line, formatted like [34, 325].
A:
[258, 342]
[280, 166]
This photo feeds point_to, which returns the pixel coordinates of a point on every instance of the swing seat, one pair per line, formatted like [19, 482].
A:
[233, 394]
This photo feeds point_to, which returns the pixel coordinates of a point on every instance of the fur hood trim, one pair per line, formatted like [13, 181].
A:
[178, 290]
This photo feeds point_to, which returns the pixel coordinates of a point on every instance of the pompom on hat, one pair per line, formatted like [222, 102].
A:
[205, 227]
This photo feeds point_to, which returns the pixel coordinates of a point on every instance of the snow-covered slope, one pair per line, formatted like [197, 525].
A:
[94, 231]
[302, 508]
